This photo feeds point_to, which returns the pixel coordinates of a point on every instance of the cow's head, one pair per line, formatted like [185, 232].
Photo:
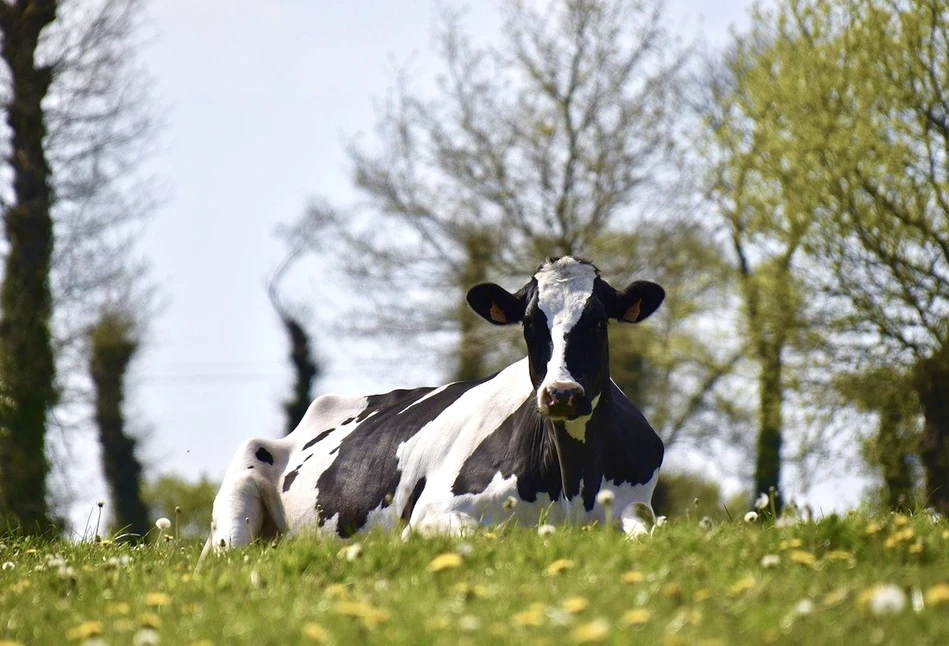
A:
[565, 309]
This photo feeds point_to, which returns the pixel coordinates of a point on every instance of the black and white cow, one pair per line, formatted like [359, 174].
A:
[550, 431]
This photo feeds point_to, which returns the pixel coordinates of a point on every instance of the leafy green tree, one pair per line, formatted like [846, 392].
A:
[858, 144]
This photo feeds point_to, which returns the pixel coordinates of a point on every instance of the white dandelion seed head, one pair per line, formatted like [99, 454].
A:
[770, 560]
[510, 502]
[661, 520]
[804, 607]
[163, 524]
[761, 501]
[546, 530]
[887, 599]
[352, 552]
[706, 524]
[9, 565]
[751, 516]
[605, 497]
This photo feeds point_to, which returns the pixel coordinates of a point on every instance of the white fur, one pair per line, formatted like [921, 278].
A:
[563, 289]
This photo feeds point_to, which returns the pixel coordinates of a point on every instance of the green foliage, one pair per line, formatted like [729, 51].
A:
[807, 583]
[187, 503]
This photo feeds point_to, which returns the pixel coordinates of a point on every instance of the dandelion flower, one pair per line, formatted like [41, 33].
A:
[446, 561]
[156, 599]
[149, 620]
[351, 552]
[146, 637]
[559, 566]
[592, 633]
[9, 565]
[162, 524]
[546, 530]
[802, 558]
[532, 616]
[742, 585]
[761, 501]
[885, 599]
[938, 594]
[636, 617]
[605, 497]
[751, 516]
[574, 605]
[85, 630]
[838, 555]
[632, 576]
[313, 632]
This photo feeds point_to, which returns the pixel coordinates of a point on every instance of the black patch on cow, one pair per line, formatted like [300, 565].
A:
[635, 451]
[289, 478]
[307, 457]
[367, 468]
[348, 420]
[316, 439]
[333, 450]
[620, 446]
[413, 498]
[251, 466]
[264, 455]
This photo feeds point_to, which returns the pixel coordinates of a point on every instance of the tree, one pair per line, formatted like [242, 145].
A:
[27, 367]
[306, 370]
[560, 140]
[863, 136]
[80, 122]
[114, 342]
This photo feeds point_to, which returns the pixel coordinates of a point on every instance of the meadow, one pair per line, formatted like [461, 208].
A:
[855, 579]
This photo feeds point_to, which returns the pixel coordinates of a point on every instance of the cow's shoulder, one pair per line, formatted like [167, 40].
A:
[633, 448]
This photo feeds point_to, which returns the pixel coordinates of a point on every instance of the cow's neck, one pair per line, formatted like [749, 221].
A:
[578, 447]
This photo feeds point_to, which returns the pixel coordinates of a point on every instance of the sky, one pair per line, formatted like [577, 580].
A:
[261, 98]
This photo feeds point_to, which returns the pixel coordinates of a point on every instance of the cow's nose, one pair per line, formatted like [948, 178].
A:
[561, 396]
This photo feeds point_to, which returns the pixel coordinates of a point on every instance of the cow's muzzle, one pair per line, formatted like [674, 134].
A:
[563, 400]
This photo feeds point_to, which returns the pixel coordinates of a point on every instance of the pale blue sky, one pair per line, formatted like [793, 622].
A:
[261, 97]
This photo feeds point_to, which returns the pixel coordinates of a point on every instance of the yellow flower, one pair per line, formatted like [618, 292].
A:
[838, 555]
[701, 595]
[742, 585]
[85, 630]
[203, 642]
[916, 548]
[836, 597]
[591, 633]
[440, 622]
[872, 528]
[632, 576]
[559, 566]
[575, 604]
[790, 543]
[636, 617]
[149, 620]
[533, 616]
[313, 632]
[490, 535]
[802, 558]
[900, 520]
[6, 642]
[446, 561]
[672, 590]
[371, 617]
[156, 599]
[335, 590]
[937, 594]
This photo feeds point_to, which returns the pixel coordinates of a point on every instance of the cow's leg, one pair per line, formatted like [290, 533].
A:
[248, 506]
[637, 517]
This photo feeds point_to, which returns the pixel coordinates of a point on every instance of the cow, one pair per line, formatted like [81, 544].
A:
[539, 439]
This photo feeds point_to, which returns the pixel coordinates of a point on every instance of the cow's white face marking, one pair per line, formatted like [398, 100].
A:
[577, 428]
[563, 289]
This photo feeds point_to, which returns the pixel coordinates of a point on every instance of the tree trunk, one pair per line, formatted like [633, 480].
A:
[112, 349]
[305, 372]
[478, 250]
[893, 458]
[768, 465]
[932, 387]
[27, 369]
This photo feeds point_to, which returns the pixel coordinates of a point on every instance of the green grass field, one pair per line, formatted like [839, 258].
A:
[853, 580]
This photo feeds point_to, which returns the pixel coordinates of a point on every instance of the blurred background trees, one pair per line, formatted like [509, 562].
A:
[80, 120]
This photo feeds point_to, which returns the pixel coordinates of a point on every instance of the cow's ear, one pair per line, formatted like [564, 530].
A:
[636, 302]
[495, 304]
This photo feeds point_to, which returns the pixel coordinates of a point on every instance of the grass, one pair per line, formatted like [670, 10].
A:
[839, 580]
